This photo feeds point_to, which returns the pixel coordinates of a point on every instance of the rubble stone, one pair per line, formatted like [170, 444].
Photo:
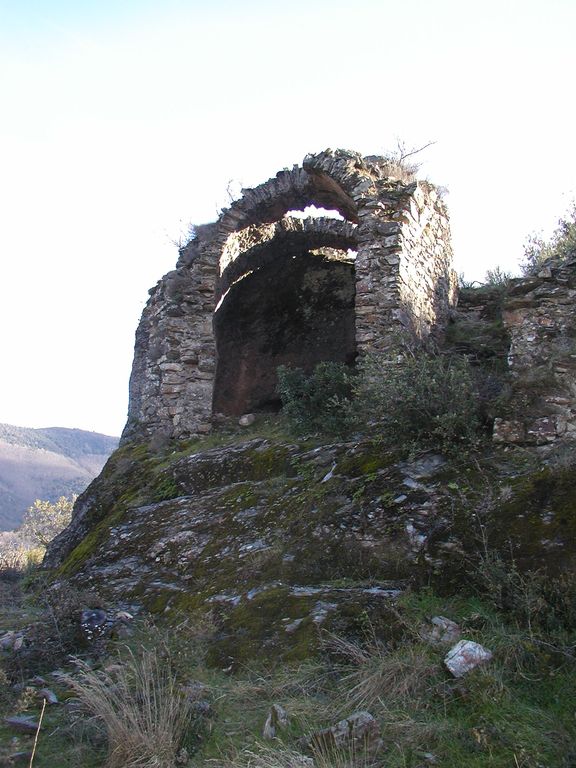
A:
[465, 656]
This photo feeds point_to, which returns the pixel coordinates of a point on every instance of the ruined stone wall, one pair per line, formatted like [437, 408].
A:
[405, 275]
[540, 318]
[402, 272]
[175, 356]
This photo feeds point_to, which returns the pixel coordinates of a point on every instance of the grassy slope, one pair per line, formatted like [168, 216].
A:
[517, 710]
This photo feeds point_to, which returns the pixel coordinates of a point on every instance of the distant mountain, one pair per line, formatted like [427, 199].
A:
[46, 464]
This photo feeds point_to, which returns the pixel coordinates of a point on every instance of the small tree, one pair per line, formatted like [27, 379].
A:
[13, 552]
[44, 520]
[419, 400]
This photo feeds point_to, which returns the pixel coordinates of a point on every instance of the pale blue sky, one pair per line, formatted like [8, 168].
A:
[121, 122]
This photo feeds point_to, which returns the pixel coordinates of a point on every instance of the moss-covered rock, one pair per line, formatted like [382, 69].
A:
[261, 532]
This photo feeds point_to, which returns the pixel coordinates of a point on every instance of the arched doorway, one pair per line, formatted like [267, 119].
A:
[295, 309]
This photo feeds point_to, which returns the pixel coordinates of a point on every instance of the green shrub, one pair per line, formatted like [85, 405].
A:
[534, 599]
[413, 398]
[319, 402]
[418, 400]
[497, 277]
[561, 246]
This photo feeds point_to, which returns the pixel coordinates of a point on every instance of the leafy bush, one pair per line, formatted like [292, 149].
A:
[561, 246]
[44, 520]
[497, 277]
[417, 399]
[413, 398]
[319, 402]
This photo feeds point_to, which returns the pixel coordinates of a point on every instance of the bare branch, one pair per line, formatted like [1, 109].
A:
[403, 154]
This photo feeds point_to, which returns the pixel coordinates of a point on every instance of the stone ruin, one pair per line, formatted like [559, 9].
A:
[261, 287]
[538, 313]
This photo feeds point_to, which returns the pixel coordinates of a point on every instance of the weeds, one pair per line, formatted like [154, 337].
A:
[139, 706]
[318, 402]
[375, 675]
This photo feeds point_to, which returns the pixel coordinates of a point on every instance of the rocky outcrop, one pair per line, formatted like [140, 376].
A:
[278, 540]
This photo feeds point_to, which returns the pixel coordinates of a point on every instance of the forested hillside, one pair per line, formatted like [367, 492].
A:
[46, 464]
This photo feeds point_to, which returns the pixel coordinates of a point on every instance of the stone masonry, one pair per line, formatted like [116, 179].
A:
[391, 241]
[539, 316]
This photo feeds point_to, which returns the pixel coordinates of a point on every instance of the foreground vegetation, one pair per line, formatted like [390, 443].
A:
[152, 692]
[150, 699]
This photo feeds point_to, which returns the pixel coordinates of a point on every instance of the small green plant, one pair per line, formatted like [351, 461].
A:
[534, 599]
[319, 402]
[561, 246]
[497, 277]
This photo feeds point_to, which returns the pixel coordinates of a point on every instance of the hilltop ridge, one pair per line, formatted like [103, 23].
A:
[46, 463]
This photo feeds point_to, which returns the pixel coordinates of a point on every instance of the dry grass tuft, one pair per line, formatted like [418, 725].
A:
[281, 756]
[384, 677]
[138, 705]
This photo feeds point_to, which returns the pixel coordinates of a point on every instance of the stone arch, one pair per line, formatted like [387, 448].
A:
[331, 180]
[289, 299]
[256, 240]
[401, 277]
[250, 248]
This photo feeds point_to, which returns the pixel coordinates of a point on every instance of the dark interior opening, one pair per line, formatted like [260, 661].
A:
[297, 310]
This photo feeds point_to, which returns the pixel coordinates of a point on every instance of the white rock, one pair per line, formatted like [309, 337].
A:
[247, 420]
[443, 630]
[465, 656]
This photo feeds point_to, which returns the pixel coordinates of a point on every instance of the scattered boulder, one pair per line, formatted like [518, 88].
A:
[443, 631]
[22, 723]
[19, 758]
[49, 695]
[247, 420]
[11, 641]
[195, 694]
[123, 616]
[37, 680]
[18, 643]
[359, 729]
[466, 656]
[277, 720]
[94, 623]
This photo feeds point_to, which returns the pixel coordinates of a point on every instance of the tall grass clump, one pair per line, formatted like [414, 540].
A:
[138, 705]
[374, 675]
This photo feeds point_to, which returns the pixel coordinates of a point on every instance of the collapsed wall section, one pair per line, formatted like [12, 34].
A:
[393, 272]
[539, 316]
